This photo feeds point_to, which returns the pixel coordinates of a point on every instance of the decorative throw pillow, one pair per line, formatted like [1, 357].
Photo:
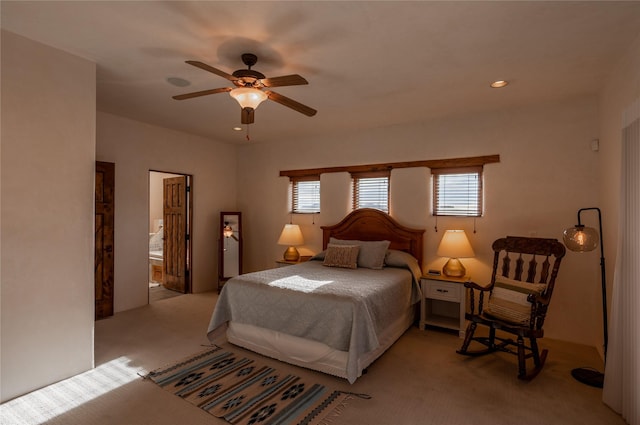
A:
[508, 300]
[341, 256]
[372, 253]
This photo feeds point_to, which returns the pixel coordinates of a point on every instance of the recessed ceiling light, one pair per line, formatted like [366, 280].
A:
[178, 82]
[237, 128]
[499, 84]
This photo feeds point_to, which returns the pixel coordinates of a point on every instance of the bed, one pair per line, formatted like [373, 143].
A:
[336, 320]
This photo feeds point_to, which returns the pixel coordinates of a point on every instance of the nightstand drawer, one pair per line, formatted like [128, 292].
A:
[443, 291]
[443, 303]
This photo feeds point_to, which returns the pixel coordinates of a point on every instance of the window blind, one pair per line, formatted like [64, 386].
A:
[305, 195]
[371, 190]
[457, 191]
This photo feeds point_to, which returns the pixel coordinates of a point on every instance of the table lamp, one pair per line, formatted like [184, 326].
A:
[454, 244]
[291, 236]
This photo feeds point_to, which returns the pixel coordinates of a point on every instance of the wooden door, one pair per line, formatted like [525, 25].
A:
[175, 275]
[104, 232]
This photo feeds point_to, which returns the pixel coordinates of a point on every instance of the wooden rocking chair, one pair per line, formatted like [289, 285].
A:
[517, 299]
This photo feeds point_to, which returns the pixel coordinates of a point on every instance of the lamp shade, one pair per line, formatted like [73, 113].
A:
[248, 97]
[455, 244]
[580, 238]
[291, 235]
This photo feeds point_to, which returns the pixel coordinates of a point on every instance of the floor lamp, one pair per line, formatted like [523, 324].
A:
[582, 239]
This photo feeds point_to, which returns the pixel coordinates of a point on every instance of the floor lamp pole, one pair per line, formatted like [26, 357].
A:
[585, 375]
[603, 278]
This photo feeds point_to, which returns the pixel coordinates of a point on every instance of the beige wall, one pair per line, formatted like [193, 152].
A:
[622, 88]
[48, 169]
[547, 171]
[136, 148]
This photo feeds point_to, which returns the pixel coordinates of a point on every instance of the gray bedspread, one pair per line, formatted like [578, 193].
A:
[342, 308]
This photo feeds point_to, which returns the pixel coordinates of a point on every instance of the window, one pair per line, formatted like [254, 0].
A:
[305, 194]
[371, 190]
[457, 191]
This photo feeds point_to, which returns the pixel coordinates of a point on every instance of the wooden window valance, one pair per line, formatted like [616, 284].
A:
[431, 163]
[306, 178]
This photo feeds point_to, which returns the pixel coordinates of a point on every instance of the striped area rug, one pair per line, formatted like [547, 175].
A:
[245, 391]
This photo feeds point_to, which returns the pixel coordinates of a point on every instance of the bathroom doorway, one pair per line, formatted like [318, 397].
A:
[170, 219]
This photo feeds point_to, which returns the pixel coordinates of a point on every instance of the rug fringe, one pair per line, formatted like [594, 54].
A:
[336, 412]
[359, 395]
[186, 360]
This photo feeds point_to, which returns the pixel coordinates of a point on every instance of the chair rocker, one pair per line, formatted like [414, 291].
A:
[516, 300]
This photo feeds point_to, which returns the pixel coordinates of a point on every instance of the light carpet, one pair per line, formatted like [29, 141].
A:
[420, 380]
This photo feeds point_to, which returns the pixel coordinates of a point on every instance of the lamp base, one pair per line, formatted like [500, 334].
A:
[291, 254]
[590, 377]
[454, 268]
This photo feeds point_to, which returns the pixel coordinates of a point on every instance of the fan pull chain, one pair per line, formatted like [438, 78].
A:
[248, 138]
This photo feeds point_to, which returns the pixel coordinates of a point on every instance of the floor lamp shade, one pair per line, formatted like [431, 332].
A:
[455, 244]
[291, 236]
[580, 238]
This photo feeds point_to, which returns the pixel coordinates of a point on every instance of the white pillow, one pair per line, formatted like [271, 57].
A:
[397, 258]
[156, 242]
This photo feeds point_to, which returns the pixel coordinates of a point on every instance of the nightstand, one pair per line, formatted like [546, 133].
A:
[285, 263]
[443, 302]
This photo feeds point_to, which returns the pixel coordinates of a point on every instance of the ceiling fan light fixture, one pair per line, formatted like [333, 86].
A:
[248, 97]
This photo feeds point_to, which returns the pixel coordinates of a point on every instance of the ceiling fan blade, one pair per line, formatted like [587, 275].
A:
[285, 80]
[209, 68]
[201, 93]
[247, 116]
[290, 103]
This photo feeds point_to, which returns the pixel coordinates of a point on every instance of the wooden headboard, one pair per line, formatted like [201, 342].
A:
[368, 224]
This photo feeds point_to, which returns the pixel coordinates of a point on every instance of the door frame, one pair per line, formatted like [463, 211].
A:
[189, 215]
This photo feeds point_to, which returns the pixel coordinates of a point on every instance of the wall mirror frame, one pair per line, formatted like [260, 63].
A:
[229, 246]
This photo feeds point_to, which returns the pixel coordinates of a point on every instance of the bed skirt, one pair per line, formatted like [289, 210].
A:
[312, 354]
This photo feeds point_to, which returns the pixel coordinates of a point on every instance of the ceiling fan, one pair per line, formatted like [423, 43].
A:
[248, 91]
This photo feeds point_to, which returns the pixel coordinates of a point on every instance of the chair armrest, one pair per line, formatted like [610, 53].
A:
[472, 304]
[473, 285]
[532, 298]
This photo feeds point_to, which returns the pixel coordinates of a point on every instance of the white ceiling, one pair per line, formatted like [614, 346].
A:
[368, 64]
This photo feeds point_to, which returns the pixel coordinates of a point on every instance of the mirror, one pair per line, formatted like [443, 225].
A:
[230, 246]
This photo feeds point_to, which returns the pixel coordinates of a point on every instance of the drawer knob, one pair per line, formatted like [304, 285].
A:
[442, 290]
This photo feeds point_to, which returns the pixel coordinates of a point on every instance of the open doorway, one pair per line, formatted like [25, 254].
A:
[170, 217]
